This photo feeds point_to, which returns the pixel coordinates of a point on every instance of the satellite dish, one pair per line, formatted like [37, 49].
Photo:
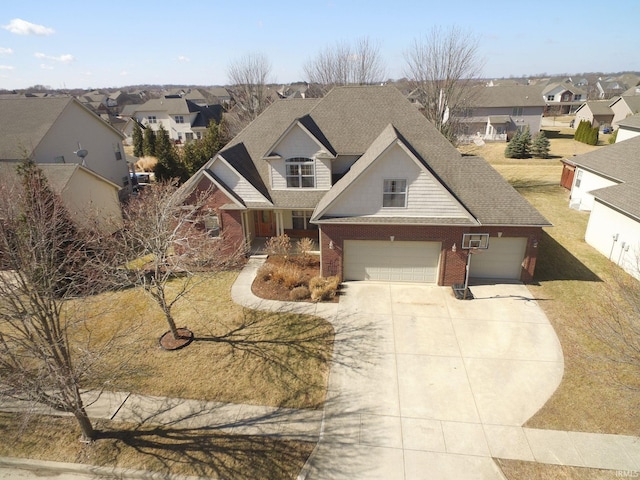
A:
[81, 153]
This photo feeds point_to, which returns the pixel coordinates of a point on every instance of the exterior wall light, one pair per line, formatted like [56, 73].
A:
[331, 245]
[454, 248]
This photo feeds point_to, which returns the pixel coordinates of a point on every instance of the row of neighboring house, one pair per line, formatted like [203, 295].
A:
[82, 156]
[606, 182]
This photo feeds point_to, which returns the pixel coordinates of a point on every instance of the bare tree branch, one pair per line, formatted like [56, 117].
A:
[442, 67]
[345, 64]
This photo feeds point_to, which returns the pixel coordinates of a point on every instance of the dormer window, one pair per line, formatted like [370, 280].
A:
[300, 172]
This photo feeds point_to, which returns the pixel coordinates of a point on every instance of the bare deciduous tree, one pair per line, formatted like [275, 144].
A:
[47, 266]
[164, 240]
[248, 77]
[345, 64]
[442, 67]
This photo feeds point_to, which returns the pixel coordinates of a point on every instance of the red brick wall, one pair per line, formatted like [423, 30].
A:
[230, 220]
[452, 264]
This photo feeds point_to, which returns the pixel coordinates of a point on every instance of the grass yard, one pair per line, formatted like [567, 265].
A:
[571, 283]
[238, 355]
[176, 451]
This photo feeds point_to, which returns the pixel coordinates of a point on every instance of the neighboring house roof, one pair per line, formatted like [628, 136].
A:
[176, 105]
[562, 87]
[58, 174]
[597, 107]
[508, 96]
[632, 122]
[350, 121]
[632, 102]
[619, 162]
[25, 121]
[622, 197]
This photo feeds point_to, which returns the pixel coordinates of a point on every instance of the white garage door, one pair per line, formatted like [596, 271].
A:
[503, 259]
[391, 261]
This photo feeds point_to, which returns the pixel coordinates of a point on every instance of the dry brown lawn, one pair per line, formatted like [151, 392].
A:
[238, 355]
[572, 279]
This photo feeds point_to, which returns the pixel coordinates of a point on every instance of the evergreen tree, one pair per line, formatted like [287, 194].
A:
[149, 142]
[196, 154]
[520, 144]
[540, 145]
[169, 166]
[138, 141]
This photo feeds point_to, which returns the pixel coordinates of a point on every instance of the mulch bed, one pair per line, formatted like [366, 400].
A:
[168, 342]
[275, 291]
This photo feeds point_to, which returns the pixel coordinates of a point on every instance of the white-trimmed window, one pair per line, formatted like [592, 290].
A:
[550, 98]
[394, 193]
[212, 225]
[578, 178]
[300, 172]
[116, 151]
[300, 220]
[179, 118]
[152, 119]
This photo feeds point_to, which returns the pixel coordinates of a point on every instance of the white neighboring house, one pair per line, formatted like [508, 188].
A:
[62, 130]
[564, 98]
[183, 119]
[607, 183]
[628, 128]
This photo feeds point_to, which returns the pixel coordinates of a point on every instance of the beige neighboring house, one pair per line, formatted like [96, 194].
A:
[624, 107]
[596, 112]
[90, 199]
[61, 130]
[563, 98]
[628, 128]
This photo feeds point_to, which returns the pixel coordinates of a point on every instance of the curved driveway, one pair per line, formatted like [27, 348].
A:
[428, 386]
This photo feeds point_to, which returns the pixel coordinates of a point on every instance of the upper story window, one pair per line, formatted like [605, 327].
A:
[179, 118]
[152, 119]
[300, 172]
[394, 193]
[578, 178]
[517, 112]
[116, 151]
[577, 97]
[550, 97]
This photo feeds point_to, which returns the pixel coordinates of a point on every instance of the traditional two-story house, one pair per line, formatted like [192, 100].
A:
[563, 98]
[385, 194]
[182, 119]
[494, 113]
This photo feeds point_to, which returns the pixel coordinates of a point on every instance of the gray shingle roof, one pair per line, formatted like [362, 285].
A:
[351, 119]
[631, 122]
[621, 163]
[508, 96]
[25, 121]
[600, 107]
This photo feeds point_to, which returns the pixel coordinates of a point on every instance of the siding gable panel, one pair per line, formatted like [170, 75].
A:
[236, 182]
[426, 197]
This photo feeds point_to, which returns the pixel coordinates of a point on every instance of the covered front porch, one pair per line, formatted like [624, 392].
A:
[260, 225]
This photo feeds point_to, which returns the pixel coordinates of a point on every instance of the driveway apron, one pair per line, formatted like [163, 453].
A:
[426, 386]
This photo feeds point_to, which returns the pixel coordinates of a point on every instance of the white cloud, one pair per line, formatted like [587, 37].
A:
[124, 73]
[22, 27]
[7, 67]
[182, 58]
[61, 58]
[44, 66]
[5, 51]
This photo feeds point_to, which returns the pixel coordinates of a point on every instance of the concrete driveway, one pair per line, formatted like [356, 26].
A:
[428, 386]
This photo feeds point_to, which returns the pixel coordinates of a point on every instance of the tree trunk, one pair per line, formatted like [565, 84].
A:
[88, 433]
[172, 324]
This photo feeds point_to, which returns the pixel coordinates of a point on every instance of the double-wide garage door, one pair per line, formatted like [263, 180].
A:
[391, 261]
[503, 259]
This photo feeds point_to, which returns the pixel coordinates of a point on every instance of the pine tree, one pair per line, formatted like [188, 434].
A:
[509, 152]
[169, 166]
[138, 145]
[149, 142]
[520, 145]
[540, 145]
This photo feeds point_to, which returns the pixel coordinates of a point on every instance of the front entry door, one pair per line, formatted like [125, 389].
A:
[265, 223]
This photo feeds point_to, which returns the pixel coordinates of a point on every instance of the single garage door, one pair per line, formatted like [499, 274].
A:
[391, 261]
[503, 259]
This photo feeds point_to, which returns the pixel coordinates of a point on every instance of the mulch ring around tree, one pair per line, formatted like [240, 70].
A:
[169, 342]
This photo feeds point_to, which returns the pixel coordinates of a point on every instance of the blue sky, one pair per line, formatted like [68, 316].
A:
[94, 44]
